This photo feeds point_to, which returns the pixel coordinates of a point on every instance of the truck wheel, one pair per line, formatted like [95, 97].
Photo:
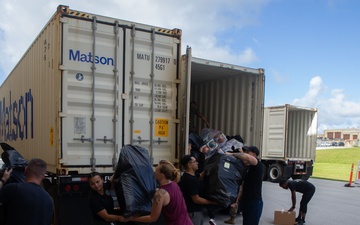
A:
[275, 172]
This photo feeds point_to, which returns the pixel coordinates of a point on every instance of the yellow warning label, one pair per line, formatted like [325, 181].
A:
[51, 136]
[137, 131]
[161, 127]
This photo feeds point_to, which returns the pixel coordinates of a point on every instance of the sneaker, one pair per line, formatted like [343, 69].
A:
[300, 221]
[212, 222]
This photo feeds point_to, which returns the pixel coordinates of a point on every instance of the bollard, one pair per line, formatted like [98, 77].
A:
[351, 174]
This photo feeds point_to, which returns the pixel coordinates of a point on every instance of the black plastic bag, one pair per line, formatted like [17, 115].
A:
[13, 159]
[223, 177]
[134, 181]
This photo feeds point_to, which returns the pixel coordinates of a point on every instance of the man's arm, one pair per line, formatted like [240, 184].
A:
[199, 200]
[247, 159]
[293, 200]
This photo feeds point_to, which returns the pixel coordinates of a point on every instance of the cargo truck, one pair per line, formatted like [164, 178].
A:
[289, 142]
[90, 84]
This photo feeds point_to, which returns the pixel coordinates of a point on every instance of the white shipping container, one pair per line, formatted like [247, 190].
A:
[88, 85]
[289, 132]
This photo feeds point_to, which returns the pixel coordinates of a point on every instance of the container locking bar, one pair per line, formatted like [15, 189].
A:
[159, 141]
[105, 139]
[140, 140]
[83, 139]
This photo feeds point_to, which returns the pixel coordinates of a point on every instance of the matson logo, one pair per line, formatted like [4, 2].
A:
[77, 55]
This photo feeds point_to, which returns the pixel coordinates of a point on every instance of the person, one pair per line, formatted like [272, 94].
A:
[168, 199]
[252, 185]
[195, 112]
[5, 177]
[101, 201]
[28, 203]
[304, 187]
[191, 189]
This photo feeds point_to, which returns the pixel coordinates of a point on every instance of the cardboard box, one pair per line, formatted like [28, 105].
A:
[283, 217]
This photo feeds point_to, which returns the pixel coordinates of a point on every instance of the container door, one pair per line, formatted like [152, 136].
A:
[151, 98]
[274, 135]
[185, 99]
[92, 57]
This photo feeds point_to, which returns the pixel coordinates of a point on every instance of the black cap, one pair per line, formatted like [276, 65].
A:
[253, 149]
[185, 160]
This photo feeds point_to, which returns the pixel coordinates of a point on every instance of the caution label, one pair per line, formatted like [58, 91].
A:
[161, 127]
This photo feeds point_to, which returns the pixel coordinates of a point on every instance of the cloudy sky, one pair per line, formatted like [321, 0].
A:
[310, 50]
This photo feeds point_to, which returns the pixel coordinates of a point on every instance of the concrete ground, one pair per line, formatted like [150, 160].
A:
[332, 204]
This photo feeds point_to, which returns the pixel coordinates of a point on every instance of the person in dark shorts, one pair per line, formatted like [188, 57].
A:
[304, 187]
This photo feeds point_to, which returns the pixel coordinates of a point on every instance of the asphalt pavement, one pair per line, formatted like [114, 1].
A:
[332, 204]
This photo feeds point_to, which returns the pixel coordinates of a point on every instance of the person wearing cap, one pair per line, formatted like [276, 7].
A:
[252, 185]
[191, 189]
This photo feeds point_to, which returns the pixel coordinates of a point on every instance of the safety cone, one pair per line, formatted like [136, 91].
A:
[351, 174]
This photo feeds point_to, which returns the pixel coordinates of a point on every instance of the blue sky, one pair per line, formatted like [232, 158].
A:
[309, 48]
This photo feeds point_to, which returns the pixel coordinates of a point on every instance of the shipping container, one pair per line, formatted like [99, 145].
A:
[231, 97]
[289, 142]
[86, 86]
[90, 84]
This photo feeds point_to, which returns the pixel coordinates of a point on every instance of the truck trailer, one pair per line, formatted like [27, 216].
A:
[289, 142]
[90, 84]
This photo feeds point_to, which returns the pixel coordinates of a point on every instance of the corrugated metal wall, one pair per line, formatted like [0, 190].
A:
[300, 144]
[35, 80]
[233, 105]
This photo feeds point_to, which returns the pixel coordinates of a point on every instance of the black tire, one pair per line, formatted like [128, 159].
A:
[275, 172]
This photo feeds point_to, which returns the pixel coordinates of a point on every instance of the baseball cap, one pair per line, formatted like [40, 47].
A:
[253, 149]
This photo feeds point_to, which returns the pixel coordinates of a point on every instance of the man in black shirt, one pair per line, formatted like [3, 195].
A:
[28, 203]
[304, 187]
[252, 187]
[190, 186]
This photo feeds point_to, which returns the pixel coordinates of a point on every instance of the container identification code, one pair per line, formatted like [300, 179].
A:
[160, 61]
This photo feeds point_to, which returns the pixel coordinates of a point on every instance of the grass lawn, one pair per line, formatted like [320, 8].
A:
[335, 163]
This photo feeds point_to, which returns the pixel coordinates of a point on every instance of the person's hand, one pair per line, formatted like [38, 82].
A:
[6, 174]
[234, 205]
[291, 209]
[122, 219]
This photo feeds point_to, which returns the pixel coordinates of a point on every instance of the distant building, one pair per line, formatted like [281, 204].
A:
[349, 136]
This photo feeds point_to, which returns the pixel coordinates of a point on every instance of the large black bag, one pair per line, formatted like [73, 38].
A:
[223, 177]
[134, 181]
[13, 159]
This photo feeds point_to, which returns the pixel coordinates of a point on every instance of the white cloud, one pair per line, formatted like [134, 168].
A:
[335, 112]
[202, 22]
